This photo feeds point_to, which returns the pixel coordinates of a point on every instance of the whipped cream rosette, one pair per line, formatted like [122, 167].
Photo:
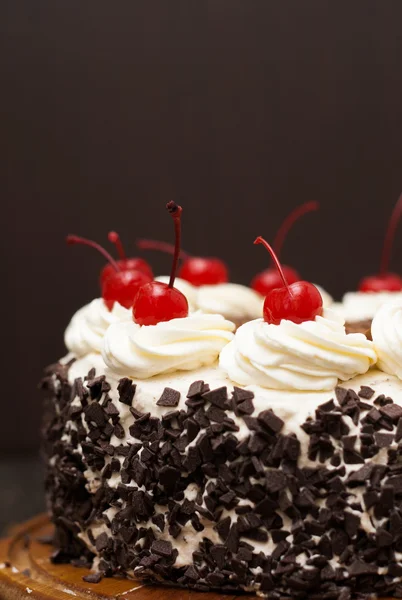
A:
[312, 355]
[186, 344]
[88, 326]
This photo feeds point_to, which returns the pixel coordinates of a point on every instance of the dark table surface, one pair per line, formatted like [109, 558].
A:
[21, 489]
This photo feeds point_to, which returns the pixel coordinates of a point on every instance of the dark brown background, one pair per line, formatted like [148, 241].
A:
[240, 109]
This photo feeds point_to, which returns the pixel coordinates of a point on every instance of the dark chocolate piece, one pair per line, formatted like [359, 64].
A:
[196, 389]
[366, 392]
[126, 389]
[217, 397]
[169, 397]
[162, 548]
[270, 421]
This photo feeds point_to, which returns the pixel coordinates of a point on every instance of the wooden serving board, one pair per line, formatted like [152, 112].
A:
[26, 573]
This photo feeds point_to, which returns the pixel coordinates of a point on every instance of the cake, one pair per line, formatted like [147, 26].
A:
[266, 459]
[195, 480]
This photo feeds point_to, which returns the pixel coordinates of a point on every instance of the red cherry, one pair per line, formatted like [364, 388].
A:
[196, 270]
[389, 282]
[204, 271]
[299, 302]
[385, 281]
[156, 302]
[129, 264]
[269, 279]
[120, 286]
[125, 264]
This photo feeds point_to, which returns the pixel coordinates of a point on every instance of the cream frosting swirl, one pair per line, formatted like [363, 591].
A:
[359, 306]
[88, 326]
[386, 331]
[184, 287]
[179, 344]
[311, 356]
[234, 301]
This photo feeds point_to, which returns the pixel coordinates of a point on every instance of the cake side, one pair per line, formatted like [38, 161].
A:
[68, 500]
[217, 488]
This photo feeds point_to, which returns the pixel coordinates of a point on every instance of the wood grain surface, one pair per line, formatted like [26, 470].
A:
[45, 581]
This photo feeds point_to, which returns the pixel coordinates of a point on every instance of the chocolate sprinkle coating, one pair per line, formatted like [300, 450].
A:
[251, 491]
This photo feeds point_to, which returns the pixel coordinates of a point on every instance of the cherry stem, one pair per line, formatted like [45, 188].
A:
[175, 211]
[114, 237]
[290, 221]
[260, 240]
[145, 244]
[390, 236]
[75, 239]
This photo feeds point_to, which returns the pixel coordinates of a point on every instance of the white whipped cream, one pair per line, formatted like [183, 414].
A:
[179, 344]
[359, 306]
[312, 355]
[235, 302]
[87, 328]
[184, 287]
[386, 331]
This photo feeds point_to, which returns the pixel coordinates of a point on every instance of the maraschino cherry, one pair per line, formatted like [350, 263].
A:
[197, 270]
[156, 301]
[270, 279]
[385, 281]
[125, 264]
[301, 301]
[120, 286]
